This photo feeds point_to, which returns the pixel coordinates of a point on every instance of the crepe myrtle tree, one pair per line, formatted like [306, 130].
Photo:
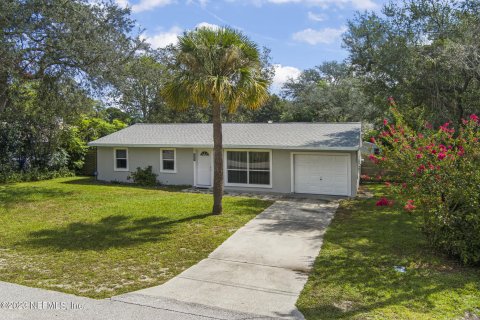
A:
[437, 173]
[217, 68]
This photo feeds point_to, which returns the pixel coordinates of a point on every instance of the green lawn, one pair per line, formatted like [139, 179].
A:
[99, 240]
[354, 275]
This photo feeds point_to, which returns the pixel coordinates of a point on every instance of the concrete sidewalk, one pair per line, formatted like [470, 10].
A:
[260, 270]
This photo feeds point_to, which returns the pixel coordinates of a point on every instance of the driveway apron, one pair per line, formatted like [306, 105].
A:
[260, 270]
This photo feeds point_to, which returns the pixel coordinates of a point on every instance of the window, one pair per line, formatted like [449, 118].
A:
[121, 159]
[248, 167]
[167, 160]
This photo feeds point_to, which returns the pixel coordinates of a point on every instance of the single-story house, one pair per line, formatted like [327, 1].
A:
[310, 158]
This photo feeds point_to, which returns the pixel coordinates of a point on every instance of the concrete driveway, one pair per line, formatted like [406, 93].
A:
[260, 270]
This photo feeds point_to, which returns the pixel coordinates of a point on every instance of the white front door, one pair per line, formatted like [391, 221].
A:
[322, 174]
[204, 168]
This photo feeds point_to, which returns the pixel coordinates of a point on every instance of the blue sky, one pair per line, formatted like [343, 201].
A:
[300, 33]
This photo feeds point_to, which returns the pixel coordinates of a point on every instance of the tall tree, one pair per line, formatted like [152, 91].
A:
[139, 88]
[328, 92]
[218, 68]
[53, 54]
[425, 53]
[79, 39]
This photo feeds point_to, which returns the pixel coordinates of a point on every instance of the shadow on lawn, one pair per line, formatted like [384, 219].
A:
[360, 251]
[90, 181]
[110, 232]
[9, 196]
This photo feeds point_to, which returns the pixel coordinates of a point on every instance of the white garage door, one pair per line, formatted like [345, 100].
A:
[322, 174]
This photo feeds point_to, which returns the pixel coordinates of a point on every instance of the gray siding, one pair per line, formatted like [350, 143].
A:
[143, 157]
[282, 177]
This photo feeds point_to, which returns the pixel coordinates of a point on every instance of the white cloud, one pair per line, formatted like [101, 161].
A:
[317, 17]
[201, 3]
[282, 74]
[207, 25]
[325, 36]
[122, 3]
[145, 5]
[164, 38]
[170, 36]
[357, 4]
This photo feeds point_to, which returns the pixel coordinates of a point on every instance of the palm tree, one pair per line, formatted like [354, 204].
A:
[217, 68]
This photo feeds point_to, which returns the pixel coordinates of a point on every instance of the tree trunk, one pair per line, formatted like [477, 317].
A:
[218, 159]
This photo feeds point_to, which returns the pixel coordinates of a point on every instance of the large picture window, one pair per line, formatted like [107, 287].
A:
[121, 159]
[167, 160]
[248, 167]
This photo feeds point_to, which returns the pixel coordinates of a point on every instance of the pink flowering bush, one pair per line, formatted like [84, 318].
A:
[384, 202]
[438, 171]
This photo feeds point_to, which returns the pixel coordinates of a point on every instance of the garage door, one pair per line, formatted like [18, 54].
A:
[322, 174]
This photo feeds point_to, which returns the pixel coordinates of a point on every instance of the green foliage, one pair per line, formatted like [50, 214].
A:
[110, 114]
[440, 171]
[424, 53]
[55, 55]
[329, 92]
[34, 174]
[140, 87]
[216, 68]
[90, 129]
[64, 39]
[144, 177]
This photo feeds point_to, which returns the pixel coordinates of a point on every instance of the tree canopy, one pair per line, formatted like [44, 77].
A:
[55, 58]
[424, 53]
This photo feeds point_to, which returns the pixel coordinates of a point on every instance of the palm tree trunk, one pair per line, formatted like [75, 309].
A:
[218, 159]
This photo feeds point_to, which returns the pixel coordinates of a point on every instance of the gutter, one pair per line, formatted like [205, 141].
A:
[225, 146]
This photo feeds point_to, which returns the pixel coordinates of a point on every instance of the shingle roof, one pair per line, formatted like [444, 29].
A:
[319, 136]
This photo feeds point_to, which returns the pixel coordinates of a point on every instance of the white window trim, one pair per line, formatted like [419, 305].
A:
[246, 185]
[174, 160]
[115, 160]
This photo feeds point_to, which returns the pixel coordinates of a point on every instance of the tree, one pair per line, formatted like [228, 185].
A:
[217, 68]
[328, 92]
[77, 39]
[139, 88]
[54, 55]
[424, 53]
[111, 113]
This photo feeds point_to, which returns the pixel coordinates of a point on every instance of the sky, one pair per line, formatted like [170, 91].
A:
[300, 33]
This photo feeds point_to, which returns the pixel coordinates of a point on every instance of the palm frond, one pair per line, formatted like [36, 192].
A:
[219, 66]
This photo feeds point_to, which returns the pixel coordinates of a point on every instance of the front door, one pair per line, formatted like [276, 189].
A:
[204, 168]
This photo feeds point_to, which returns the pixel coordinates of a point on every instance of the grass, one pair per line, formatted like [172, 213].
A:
[98, 240]
[354, 276]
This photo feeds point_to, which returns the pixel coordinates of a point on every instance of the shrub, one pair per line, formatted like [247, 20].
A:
[144, 177]
[33, 174]
[439, 174]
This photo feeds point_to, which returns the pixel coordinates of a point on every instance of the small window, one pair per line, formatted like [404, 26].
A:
[121, 159]
[204, 154]
[167, 160]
